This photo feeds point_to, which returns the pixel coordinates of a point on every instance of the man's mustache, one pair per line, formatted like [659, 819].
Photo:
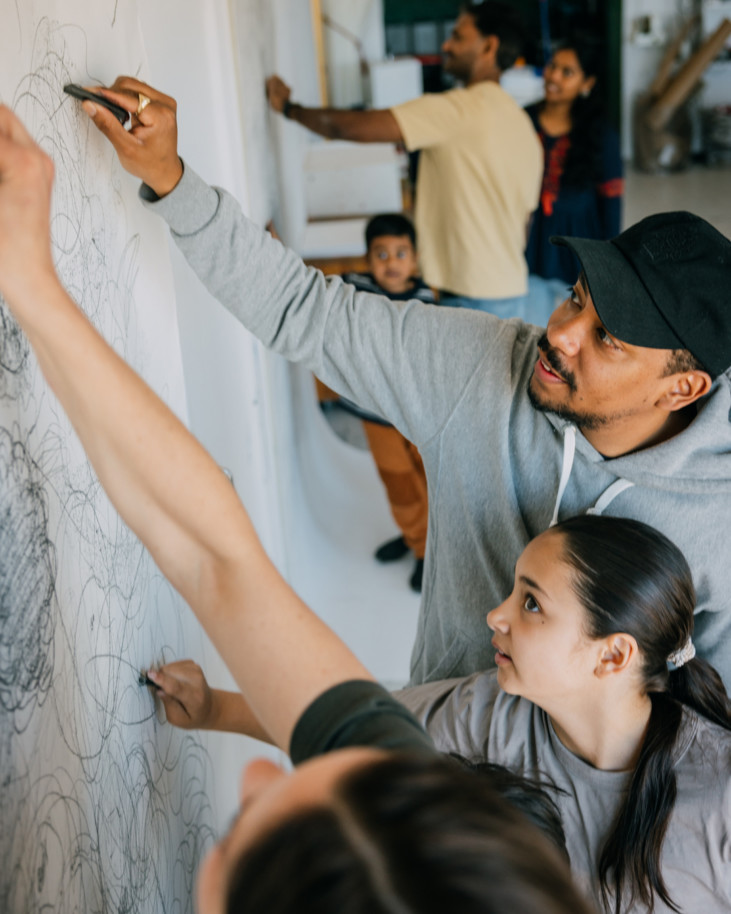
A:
[550, 355]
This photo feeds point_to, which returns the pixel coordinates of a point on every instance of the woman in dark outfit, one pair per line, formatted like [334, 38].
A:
[582, 189]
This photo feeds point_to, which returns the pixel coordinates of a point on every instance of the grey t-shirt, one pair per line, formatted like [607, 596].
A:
[474, 717]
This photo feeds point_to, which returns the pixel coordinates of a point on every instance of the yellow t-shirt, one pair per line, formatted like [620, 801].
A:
[479, 180]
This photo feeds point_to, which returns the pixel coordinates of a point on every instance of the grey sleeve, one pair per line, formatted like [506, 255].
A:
[406, 361]
[456, 713]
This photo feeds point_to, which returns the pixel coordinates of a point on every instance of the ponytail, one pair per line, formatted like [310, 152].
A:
[698, 685]
[630, 860]
[630, 578]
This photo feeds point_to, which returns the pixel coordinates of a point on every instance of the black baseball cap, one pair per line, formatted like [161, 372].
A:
[664, 283]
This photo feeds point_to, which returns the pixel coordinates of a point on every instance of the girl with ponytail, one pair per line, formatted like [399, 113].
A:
[598, 687]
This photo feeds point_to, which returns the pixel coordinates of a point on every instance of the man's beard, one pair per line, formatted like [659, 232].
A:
[456, 68]
[584, 421]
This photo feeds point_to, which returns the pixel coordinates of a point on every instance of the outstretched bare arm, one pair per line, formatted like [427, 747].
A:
[164, 484]
[335, 123]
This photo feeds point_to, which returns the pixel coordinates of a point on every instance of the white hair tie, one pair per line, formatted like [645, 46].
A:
[680, 657]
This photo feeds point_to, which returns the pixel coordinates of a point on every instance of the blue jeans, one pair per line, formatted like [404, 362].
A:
[501, 307]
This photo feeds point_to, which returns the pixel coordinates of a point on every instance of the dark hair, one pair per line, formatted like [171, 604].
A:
[630, 578]
[528, 795]
[505, 23]
[583, 164]
[412, 833]
[681, 360]
[390, 224]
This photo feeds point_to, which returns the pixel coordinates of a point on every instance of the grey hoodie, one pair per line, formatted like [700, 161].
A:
[454, 382]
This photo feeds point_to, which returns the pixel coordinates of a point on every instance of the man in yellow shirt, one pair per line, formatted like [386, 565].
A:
[480, 168]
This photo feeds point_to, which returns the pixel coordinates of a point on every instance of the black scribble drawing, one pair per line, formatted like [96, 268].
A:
[17, 19]
[27, 578]
[88, 218]
[102, 807]
[14, 351]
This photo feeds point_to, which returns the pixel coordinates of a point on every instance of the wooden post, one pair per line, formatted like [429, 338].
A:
[319, 36]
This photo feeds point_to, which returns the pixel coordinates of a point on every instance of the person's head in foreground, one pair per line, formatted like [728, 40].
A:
[391, 252]
[487, 38]
[363, 830]
[533, 797]
[600, 622]
[643, 335]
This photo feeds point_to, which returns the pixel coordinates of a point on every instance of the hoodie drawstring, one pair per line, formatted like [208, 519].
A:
[607, 496]
[569, 449]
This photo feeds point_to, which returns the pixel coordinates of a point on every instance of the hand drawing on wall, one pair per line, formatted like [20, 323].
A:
[102, 808]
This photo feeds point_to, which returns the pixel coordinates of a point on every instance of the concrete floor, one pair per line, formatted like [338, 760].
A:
[705, 191]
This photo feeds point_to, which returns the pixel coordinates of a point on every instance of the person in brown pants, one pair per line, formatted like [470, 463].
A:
[402, 473]
[392, 267]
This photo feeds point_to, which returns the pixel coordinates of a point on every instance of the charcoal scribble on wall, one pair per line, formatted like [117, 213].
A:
[102, 808]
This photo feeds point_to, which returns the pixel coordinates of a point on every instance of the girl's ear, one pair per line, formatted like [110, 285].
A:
[618, 652]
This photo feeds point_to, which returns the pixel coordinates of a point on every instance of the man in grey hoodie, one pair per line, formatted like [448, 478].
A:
[621, 406]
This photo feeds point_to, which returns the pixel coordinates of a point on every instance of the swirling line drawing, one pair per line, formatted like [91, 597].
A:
[27, 581]
[14, 352]
[103, 809]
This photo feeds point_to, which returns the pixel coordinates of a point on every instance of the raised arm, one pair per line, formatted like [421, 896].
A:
[164, 484]
[334, 123]
[396, 359]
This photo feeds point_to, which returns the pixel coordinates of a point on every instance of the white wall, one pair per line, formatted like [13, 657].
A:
[227, 373]
[317, 503]
[295, 61]
[102, 806]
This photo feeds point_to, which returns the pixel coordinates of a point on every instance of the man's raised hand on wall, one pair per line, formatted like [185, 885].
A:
[278, 93]
[148, 149]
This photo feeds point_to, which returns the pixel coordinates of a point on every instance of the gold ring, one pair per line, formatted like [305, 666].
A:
[144, 102]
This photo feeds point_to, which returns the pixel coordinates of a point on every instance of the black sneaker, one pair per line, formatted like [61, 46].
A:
[392, 550]
[416, 577]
